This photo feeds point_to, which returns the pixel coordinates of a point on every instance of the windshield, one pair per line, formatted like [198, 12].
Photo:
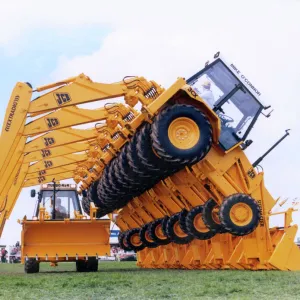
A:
[223, 92]
[65, 203]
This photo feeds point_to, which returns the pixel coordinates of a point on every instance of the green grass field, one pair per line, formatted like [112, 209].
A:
[123, 280]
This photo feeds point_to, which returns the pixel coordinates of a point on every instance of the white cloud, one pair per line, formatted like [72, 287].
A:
[261, 38]
[162, 40]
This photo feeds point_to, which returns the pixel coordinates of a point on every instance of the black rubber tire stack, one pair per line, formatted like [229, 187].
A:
[149, 157]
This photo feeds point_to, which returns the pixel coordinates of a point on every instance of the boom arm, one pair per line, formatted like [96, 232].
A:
[55, 147]
[49, 147]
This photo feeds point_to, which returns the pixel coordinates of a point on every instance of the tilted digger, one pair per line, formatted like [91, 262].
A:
[173, 175]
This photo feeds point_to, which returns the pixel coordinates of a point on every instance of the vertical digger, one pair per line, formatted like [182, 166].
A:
[174, 172]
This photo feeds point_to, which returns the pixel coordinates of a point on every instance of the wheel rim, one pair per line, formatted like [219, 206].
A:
[199, 224]
[178, 231]
[241, 214]
[159, 233]
[184, 133]
[147, 237]
[135, 240]
[215, 215]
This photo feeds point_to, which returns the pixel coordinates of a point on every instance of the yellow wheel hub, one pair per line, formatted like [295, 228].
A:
[178, 231]
[135, 240]
[184, 133]
[148, 238]
[241, 214]
[199, 224]
[159, 233]
[215, 215]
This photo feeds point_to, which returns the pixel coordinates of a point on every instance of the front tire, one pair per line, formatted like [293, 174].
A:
[133, 240]
[196, 226]
[239, 214]
[174, 231]
[156, 233]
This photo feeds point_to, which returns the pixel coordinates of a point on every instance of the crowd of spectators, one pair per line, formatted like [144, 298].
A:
[11, 256]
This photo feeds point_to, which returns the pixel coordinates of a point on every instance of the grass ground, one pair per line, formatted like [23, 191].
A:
[123, 280]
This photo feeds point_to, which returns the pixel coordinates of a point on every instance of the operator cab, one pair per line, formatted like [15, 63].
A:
[233, 98]
[64, 197]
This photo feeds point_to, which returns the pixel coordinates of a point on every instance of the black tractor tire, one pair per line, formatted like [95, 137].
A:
[80, 266]
[164, 225]
[31, 266]
[145, 238]
[135, 232]
[182, 221]
[161, 140]
[153, 230]
[122, 243]
[152, 162]
[85, 205]
[211, 222]
[92, 193]
[252, 212]
[92, 264]
[172, 224]
[134, 160]
[205, 233]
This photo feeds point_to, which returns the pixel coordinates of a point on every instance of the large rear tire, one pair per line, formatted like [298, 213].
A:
[181, 134]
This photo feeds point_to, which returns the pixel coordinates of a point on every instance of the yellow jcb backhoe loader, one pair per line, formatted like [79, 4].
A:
[174, 171]
[60, 232]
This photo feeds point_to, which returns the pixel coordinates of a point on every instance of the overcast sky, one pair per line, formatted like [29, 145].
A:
[44, 41]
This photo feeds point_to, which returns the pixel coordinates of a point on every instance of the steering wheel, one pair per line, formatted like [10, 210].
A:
[226, 119]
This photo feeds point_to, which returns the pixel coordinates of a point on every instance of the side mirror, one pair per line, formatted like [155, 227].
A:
[32, 193]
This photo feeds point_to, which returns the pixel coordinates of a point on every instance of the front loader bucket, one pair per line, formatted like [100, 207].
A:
[65, 240]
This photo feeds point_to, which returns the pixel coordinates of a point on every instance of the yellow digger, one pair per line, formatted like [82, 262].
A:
[59, 231]
[175, 171]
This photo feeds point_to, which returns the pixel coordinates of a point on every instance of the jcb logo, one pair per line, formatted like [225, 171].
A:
[48, 164]
[52, 122]
[41, 179]
[62, 98]
[45, 153]
[194, 94]
[49, 141]
[43, 172]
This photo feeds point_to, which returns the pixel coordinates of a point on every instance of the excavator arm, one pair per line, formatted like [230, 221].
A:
[39, 142]
[48, 146]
